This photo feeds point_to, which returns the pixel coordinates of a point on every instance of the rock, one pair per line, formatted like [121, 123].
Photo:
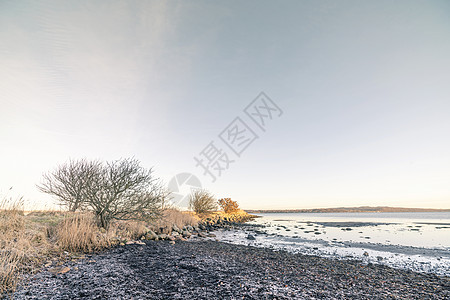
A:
[172, 242]
[186, 233]
[60, 270]
[211, 235]
[175, 228]
[162, 236]
[380, 258]
[175, 233]
[171, 238]
[251, 237]
[150, 235]
[366, 253]
[201, 234]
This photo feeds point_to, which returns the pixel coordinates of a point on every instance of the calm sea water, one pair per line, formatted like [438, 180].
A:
[415, 241]
[417, 229]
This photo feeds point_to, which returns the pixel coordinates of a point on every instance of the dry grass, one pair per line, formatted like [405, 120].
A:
[78, 232]
[174, 216]
[128, 230]
[12, 242]
[27, 241]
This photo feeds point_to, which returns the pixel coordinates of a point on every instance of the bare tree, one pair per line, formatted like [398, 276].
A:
[68, 181]
[124, 191]
[118, 190]
[202, 202]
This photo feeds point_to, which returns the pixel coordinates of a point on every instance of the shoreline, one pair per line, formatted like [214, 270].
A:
[359, 209]
[205, 269]
[422, 260]
[285, 237]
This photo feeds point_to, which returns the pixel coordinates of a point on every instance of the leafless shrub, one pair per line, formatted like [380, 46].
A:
[118, 190]
[202, 202]
[68, 181]
[123, 190]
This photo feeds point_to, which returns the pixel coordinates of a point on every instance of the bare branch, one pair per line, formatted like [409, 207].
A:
[202, 202]
[118, 190]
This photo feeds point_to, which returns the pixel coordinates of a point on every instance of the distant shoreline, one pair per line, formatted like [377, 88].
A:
[360, 209]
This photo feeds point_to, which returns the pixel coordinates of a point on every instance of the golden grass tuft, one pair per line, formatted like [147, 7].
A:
[9, 268]
[78, 232]
[11, 216]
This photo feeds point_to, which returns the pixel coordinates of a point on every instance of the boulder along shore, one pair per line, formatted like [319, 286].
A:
[202, 268]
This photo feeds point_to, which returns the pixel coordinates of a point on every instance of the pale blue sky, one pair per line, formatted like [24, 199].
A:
[364, 86]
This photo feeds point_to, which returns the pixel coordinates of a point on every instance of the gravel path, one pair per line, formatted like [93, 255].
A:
[215, 270]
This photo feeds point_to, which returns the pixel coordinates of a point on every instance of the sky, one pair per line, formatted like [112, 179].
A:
[362, 91]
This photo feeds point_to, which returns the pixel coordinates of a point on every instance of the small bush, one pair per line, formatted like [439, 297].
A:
[202, 202]
[228, 206]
